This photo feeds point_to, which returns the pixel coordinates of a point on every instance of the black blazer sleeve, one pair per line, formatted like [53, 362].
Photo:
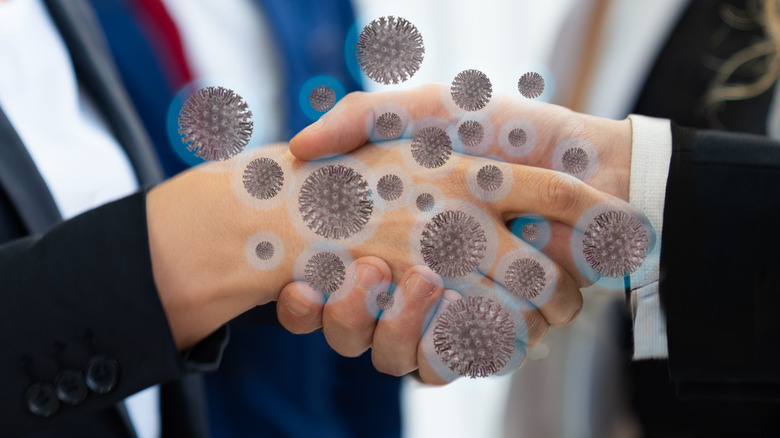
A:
[720, 265]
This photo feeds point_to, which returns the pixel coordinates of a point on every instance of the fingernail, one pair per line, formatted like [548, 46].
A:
[418, 286]
[316, 125]
[367, 276]
[296, 307]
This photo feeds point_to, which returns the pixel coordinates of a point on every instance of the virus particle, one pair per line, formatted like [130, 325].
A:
[335, 202]
[471, 90]
[390, 187]
[263, 178]
[531, 85]
[385, 300]
[525, 278]
[531, 232]
[215, 123]
[517, 137]
[389, 125]
[431, 147]
[322, 98]
[490, 178]
[615, 244]
[453, 243]
[264, 250]
[575, 161]
[325, 272]
[425, 202]
[474, 337]
[390, 50]
[471, 133]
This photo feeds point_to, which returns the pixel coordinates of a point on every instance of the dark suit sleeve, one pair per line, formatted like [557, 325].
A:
[720, 265]
[82, 290]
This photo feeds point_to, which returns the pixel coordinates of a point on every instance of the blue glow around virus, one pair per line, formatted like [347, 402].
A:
[306, 89]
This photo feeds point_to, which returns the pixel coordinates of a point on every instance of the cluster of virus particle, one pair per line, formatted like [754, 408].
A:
[390, 50]
[531, 85]
[263, 178]
[264, 250]
[490, 178]
[530, 232]
[385, 300]
[389, 125]
[322, 98]
[425, 202]
[474, 337]
[431, 147]
[525, 278]
[517, 137]
[215, 123]
[453, 243]
[615, 244]
[471, 133]
[575, 161]
[390, 187]
[335, 202]
[325, 272]
[471, 90]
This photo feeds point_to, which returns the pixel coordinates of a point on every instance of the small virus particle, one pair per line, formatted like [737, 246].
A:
[431, 147]
[531, 232]
[390, 187]
[385, 300]
[525, 278]
[471, 133]
[425, 202]
[325, 272]
[575, 161]
[490, 178]
[264, 250]
[517, 137]
[453, 243]
[531, 85]
[474, 337]
[471, 90]
[322, 98]
[615, 244]
[215, 123]
[390, 50]
[263, 178]
[335, 202]
[389, 125]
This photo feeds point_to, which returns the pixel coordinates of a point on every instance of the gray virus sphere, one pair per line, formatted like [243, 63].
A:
[325, 272]
[531, 85]
[615, 244]
[322, 98]
[474, 337]
[525, 278]
[471, 133]
[517, 137]
[531, 232]
[263, 178]
[575, 161]
[389, 125]
[215, 123]
[471, 90]
[425, 202]
[490, 178]
[264, 250]
[390, 50]
[453, 243]
[335, 202]
[385, 300]
[431, 147]
[390, 187]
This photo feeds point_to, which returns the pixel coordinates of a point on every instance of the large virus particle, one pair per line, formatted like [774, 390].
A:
[264, 250]
[531, 232]
[615, 244]
[525, 278]
[490, 178]
[471, 90]
[425, 202]
[325, 272]
[390, 187]
[322, 98]
[215, 123]
[517, 137]
[531, 85]
[453, 243]
[335, 202]
[431, 147]
[575, 161]
[389, 125]
[471, 133]
[385, 300]
[263, 178]
[390, 50]
[474, 337]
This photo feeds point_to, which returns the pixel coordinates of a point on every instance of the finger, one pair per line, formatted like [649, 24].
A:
[299, 308]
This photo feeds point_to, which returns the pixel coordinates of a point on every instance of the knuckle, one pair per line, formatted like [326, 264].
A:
[563, 192]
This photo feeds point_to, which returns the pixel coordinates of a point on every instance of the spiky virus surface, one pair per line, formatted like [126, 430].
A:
[322, 98]
[471, 133]
[389, 125]
[531, 232]
[263, 178]
[615, 244]
[390, 50]
[325, 272]
[431, 147]
[575, 161]
[490, 178]
[471, 90]
[474, 337]
[531, 85]
[525, 278]
[453, 243]
[517, 137]
[264, 250]
[425, 202]
[335, 202]
[215, 123]
[385, 300]
[390, 187]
